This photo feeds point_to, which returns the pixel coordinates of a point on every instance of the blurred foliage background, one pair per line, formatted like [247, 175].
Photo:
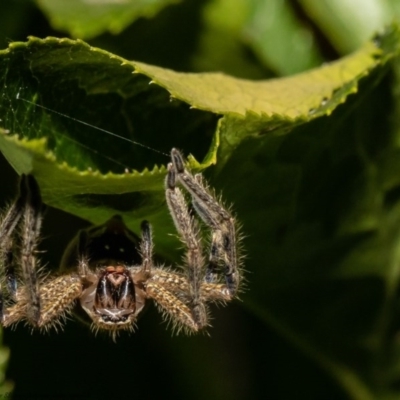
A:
[319, 205]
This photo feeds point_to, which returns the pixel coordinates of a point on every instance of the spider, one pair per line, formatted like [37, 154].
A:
[107, 273]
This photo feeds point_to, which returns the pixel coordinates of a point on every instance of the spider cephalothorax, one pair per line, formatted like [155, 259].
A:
[107, 272]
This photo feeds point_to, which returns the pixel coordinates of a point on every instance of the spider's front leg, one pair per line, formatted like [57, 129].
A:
[24, 217]
[223, 252]
[7, 229]
[57, 297]
[160, 285]
[189, 233]
[36, 305]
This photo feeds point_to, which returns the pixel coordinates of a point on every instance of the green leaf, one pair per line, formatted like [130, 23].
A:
[322, 207]
[325, 239]
[86, 19]
[344, 24]
[72, 163]
[221, 44]
[270, 28]
[279, 38]
[253, 108]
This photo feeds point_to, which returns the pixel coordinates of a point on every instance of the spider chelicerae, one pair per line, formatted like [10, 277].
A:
[107, 272]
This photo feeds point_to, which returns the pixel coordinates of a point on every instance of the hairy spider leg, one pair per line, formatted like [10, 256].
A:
[83, 264]
[160, 289]
[32, 222]
[38, 306]
[27, 211]
[215, 249]
[186, 226]
[221, 222]
[146, 247]
[7, 227]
